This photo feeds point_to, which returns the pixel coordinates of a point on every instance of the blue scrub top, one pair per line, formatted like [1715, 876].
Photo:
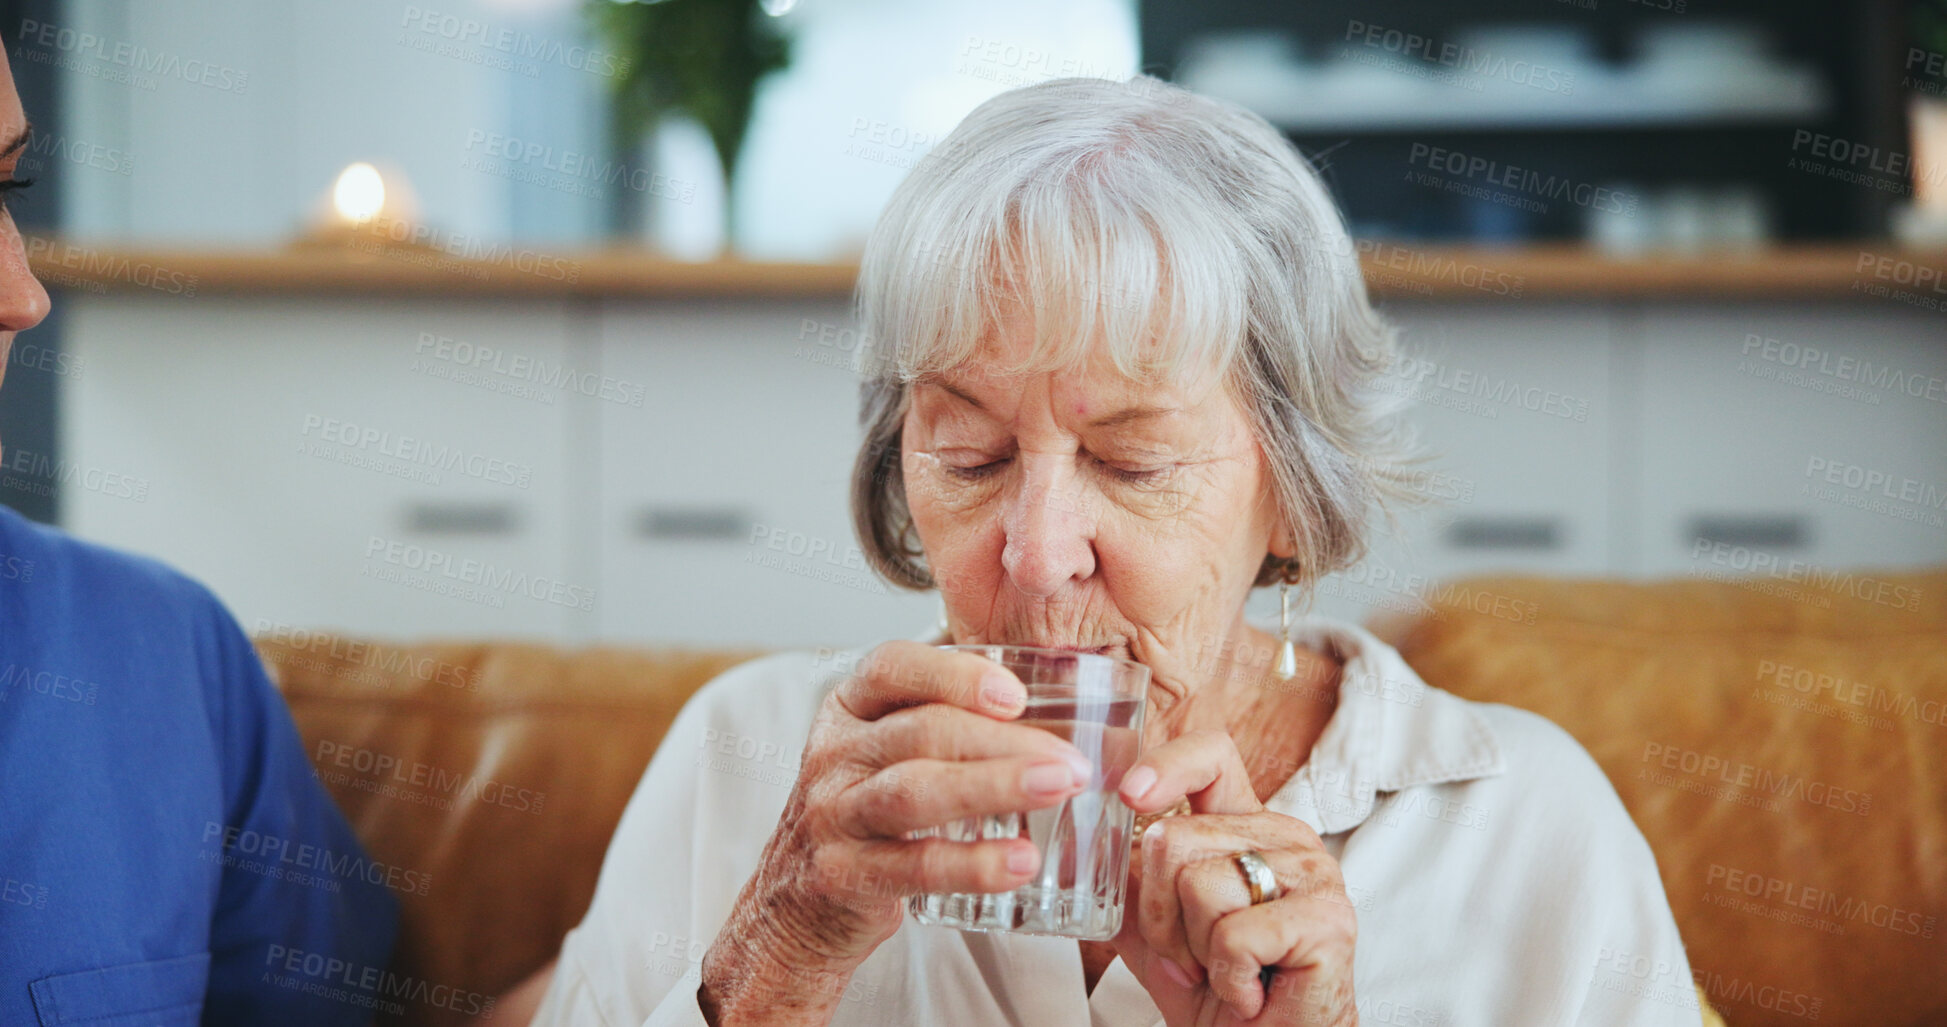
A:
[166, 855]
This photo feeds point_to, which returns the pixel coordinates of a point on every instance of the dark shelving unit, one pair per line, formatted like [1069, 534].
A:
[1855, 49]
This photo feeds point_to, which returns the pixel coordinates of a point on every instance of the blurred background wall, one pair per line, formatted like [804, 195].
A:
[1669, 275]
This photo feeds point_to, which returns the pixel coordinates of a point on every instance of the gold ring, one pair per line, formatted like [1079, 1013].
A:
[1257, 873]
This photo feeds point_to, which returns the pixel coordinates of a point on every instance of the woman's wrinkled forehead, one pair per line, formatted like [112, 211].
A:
[1089, 392]
[1016, 344]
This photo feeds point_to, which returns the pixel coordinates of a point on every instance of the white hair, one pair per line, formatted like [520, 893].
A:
[1181, 234]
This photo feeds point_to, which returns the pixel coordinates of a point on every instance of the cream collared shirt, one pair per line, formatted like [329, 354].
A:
[1496, 876]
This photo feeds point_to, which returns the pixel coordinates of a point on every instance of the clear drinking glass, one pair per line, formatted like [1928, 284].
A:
[1096, 703]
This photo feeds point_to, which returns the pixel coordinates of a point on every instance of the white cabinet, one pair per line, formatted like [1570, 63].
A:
[724, 497]
[384, 467]
[1815, 432]
[1518, 415]
[676, 471]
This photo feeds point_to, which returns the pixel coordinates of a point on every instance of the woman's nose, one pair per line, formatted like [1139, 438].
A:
[23, 301]
[1050, 534]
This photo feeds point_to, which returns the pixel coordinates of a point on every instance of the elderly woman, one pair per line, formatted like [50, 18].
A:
[1123, 376]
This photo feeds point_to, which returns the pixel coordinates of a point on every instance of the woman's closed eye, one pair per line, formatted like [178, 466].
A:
[973, 464]
[1133, 475]
[975, 472]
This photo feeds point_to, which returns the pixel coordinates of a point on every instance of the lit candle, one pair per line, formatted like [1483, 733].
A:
[359, 194]
[369, 203]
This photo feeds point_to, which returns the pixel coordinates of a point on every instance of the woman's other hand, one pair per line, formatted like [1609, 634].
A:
[917, 737]
[1190, 933]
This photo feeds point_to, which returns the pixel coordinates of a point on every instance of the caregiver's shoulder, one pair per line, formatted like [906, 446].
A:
[68, 587]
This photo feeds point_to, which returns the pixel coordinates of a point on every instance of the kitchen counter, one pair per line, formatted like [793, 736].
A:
[1393, 270]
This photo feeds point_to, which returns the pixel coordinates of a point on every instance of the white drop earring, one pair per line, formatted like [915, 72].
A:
[942, 624]
[1287, 667]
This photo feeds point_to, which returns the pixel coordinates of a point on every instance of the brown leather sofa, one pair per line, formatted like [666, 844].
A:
[1783, 748]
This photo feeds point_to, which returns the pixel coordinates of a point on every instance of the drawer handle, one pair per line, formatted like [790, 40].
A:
[1752, 531]
[461, 519]
[694, 524]
[1528, 534]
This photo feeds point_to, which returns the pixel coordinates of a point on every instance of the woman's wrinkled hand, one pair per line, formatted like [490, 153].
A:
[1190, 933]
[917, 737]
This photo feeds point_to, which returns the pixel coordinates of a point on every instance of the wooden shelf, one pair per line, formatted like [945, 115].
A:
[505, 270]
[1394, 271]
[1401, 271]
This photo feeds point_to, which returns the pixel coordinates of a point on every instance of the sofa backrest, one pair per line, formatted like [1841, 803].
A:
[488, 779]
[1785, 755]
[1781, 743]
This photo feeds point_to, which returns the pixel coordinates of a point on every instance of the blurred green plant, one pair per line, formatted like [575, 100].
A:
[702, 58]
[1927, 27]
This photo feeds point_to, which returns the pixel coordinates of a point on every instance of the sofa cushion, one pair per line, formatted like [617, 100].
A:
[490, 777]
[1783, 747]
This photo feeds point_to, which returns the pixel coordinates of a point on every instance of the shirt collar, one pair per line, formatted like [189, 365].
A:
[1390, 731]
